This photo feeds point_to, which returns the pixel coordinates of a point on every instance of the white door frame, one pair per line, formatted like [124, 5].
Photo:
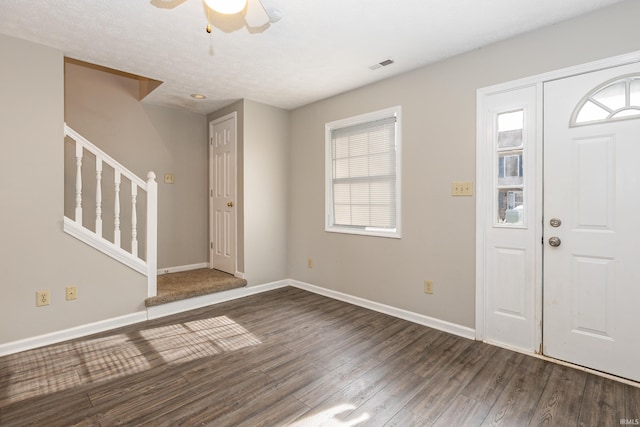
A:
[484, 185]
[212, 123]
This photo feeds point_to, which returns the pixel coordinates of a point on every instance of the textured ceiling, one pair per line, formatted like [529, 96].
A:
[318, 49]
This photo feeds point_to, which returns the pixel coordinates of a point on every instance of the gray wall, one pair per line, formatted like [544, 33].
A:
[266, 196]
[103, 107]
[263, 197]
[34, 251]
[438, 137]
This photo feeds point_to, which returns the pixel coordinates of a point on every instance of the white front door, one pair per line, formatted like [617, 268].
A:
[591, 270]
[222, 193]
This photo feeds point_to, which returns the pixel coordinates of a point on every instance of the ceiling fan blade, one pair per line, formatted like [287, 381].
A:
[272, 11]
[256, 15]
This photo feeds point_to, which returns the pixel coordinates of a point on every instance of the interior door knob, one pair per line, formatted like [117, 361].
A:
[230, 204]
[554, 241]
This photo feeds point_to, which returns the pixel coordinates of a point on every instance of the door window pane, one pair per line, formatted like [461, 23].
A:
[510, 127]
[616, 100]
[613, 96]
[591, 112]
[635, 92]
[510, 206]
[626, 113]
[509, 168]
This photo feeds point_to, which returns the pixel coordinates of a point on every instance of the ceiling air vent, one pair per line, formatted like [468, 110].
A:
[381, 64]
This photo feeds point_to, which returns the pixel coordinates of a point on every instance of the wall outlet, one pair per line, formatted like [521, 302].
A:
[169, 178]
[428, 287]
[462, 188]
[43, 298]
[309, 263]
[72, 293]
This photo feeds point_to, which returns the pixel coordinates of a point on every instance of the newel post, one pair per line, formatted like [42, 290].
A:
[152, 234]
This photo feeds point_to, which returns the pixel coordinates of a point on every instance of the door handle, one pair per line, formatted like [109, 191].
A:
[230, 204]
[554, 241]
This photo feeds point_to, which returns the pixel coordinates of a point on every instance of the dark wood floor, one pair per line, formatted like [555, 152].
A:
[292, 357]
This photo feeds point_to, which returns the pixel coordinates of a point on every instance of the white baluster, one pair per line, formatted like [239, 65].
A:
[134, 220]
[99, 197]
[116, 210]
[78, 183]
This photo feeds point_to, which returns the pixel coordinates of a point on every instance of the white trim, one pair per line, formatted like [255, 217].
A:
[442, 325]
[180, 306]
[481, 172]
[152, 235]
[71, 333]
[396, 112]
[538, 211]
[239, 275]
[588, 67]
[181, 268]
[481, 209]
[103, 245]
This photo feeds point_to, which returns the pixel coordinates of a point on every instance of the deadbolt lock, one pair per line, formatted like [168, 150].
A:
[555, 222]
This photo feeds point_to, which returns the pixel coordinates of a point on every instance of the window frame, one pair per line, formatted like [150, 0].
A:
[330, 225]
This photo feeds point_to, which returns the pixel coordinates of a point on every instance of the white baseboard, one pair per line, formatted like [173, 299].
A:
[71, 333]
[175, 307]
[420, 319]
[162, 310]
[180, 268]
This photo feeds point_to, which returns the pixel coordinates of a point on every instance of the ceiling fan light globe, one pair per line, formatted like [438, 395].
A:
[227, 7]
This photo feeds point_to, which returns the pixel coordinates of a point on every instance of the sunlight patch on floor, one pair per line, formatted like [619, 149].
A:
[331, 417]
[63, 366]
[199, 338]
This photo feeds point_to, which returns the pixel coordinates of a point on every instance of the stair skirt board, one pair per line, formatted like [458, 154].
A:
[181, 268]
[155, 312]
[103, 245]
[180, 306]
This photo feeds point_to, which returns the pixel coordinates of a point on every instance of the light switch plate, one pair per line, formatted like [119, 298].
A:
[169, 178]
[462, 188]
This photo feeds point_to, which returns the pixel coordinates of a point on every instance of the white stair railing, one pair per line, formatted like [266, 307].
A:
[75, 227]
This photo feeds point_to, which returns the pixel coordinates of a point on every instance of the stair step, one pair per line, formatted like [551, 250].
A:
[193, 283]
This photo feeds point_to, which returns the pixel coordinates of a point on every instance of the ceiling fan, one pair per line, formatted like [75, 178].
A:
[258, 12]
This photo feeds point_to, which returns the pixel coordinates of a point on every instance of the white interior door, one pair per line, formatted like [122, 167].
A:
[592, 186]
[222, 159]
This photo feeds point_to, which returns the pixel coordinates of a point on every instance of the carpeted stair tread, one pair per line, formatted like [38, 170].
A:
[193, 283]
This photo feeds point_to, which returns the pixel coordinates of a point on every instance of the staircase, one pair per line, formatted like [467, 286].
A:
[87, 225]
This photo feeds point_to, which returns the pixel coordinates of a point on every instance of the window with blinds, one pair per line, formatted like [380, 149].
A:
[363, 174]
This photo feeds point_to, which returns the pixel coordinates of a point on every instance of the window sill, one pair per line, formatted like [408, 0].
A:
[373, 232]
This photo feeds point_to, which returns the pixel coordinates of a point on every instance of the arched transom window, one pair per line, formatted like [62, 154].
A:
[612, 100]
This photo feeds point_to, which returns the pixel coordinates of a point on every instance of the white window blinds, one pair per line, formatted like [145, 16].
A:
[364, 163]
